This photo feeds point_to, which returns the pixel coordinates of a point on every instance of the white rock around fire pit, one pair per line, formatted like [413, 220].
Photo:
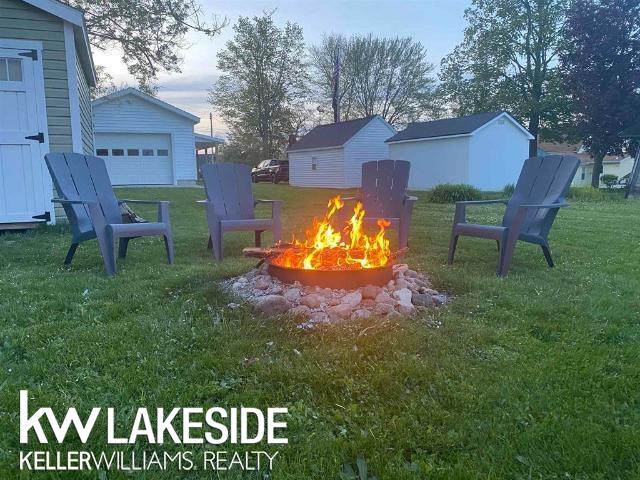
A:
[402, 296]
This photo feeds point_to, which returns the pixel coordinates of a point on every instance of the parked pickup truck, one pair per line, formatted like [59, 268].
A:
[273, 171]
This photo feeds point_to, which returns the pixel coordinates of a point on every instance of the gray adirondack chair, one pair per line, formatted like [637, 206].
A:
[93, 210]
[539, 194]
[384, 195]
[230, 205]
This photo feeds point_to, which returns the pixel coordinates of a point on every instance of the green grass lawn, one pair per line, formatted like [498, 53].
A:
[533, 376]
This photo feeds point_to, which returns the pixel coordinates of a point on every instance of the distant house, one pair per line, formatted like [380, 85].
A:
[486, 150]
[617, 165]
[145, 141]
[332, 155]
[46, 71]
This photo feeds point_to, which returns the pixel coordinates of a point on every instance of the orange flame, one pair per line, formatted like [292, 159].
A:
[325, 249]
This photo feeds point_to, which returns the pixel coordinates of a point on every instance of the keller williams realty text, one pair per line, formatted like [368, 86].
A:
[186, 426]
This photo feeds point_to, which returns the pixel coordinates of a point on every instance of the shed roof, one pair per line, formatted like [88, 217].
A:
[75, 17]
[449, 127]
[148, 98]
[331, 135]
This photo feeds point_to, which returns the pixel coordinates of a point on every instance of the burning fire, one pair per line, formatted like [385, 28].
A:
[326, 247]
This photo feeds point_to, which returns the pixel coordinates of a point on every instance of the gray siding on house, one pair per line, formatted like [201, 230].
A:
[329, 170]
[86, 118]
[20, 20]
[366, 146]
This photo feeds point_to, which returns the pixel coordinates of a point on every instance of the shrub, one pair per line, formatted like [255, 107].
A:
[508, 189]
[609, 180]
[450, 193]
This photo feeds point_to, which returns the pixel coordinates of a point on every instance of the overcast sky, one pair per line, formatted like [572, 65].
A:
[437, 24]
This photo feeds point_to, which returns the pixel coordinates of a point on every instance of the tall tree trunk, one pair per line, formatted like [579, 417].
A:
[534, 127]
[597, 169]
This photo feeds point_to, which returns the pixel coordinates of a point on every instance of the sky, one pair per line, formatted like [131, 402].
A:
[437, 24]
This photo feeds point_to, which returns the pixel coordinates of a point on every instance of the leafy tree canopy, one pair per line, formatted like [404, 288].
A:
[150, 33]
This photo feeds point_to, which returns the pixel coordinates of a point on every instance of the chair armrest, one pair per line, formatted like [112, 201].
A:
[349, 199]
[410, 198]
[204, 202]
[262, 200]
[549, 205]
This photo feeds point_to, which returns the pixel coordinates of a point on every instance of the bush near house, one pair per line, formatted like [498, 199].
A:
[609, 180]
[453, 192]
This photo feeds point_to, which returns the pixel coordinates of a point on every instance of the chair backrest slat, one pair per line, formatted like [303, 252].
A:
[228, 187]
[543, 180]
[80, 177]
[384, 187]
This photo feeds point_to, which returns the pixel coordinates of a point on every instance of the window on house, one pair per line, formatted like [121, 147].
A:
[10, 69]
[583, 174]
[102, 152]
[314, 163]
[163, 152]
[147, 152]
[117, 152]
[133, 152]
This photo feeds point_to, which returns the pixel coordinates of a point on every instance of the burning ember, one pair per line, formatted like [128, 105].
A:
[329, 247]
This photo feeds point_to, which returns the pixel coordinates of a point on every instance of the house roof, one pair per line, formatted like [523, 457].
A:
[449, 127]
[574, 149]
[331, 135]
[75, 17]
[148, 98]
[206, 141]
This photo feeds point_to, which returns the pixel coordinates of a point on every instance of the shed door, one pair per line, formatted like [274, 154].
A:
[25, 185]
[136, 158]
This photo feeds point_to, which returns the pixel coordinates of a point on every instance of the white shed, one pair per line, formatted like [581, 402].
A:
[332, 155]
[486, 150]
[143, 140]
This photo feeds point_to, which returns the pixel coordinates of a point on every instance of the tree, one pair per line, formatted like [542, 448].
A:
[263, 84]
[507, 61]
[385, 76]
[601, 69]
[150, 33]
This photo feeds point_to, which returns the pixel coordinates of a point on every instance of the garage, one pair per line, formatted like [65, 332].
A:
[143, 140]
[136, 158]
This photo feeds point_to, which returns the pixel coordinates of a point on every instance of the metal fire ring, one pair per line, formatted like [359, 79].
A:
[345, 279]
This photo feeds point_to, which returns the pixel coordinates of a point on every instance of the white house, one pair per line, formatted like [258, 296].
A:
[46, 71]
[145, 141]
[332, 155]
[486, 150]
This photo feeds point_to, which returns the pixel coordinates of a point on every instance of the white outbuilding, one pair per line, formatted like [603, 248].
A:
[486, 150]
[332, 155]
[143, 140]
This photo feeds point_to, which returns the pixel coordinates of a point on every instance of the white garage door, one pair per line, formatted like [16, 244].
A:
[136, 158]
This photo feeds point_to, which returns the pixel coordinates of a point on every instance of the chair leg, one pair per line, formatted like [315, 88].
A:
[498, 245]
[453, 243]
[122, 251]
[168, 243]
[403, 235]
[507, 245]
[547, 255]
[258, 234]
[70, 253]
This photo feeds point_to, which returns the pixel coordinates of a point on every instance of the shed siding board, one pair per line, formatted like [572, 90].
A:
[329, 172]
[497, 153]
[133, 115]
[367, 145]
[20, 20]
[86, 120]
[434, 161]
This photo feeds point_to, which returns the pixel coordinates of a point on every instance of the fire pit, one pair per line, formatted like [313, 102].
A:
[331, 256]
[346, 279]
